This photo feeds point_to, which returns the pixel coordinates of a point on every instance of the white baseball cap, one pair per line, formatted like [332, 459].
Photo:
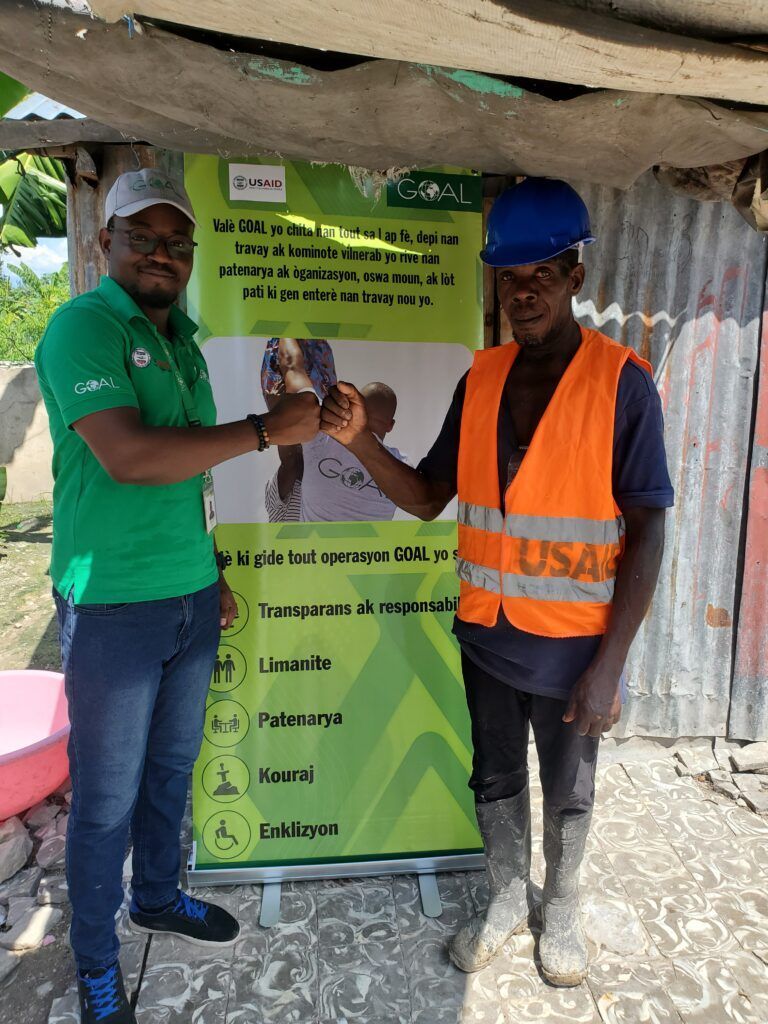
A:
[137, 190]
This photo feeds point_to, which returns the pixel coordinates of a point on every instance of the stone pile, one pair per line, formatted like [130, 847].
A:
[739, 772]
[32, 884]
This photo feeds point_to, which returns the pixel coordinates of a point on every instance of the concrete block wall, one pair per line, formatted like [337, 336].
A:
[25, 441]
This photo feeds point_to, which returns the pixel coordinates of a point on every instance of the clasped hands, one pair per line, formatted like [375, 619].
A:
[343, 415]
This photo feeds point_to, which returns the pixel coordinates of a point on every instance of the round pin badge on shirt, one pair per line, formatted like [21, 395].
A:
[141, 358]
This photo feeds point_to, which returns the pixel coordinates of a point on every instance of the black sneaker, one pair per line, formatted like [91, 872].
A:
[201, 923]
[102, 997]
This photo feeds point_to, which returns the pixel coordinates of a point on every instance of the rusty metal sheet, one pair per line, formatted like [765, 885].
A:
[683, 283]
[749, 695]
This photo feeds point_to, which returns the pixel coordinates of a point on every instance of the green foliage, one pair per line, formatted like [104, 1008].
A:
[33, 193]
[11, 93]
[33, 189]
[26, 305]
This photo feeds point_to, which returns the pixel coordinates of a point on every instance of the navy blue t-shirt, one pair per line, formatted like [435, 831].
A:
[540, 664]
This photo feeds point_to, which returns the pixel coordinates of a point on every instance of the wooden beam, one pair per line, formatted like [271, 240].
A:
[711, 19]
[61, 133]
[528, 38]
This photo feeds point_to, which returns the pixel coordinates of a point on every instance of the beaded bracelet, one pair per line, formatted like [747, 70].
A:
[261, 430]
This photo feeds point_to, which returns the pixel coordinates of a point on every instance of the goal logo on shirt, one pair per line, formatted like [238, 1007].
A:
[351, 476]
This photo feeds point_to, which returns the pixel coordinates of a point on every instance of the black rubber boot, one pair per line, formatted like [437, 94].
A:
[563, 945]
[505, 826]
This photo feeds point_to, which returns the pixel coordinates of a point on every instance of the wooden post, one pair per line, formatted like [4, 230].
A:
[94, 172]
[497, 330]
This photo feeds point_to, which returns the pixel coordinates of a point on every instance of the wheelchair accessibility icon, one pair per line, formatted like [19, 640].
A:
[223, 838]
[227, 835]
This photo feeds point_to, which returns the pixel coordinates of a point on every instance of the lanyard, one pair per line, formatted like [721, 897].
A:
[190, 409]
[193, 419]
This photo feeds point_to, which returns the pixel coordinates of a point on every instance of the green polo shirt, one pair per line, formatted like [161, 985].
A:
[112, 542]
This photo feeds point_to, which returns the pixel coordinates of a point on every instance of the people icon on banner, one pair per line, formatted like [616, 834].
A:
[223, 670]
[230, 725]
[229, 669]
[226, 723]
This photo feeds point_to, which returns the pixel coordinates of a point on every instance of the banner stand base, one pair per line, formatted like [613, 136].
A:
[424, 867]
[270, 904]
[431, 904]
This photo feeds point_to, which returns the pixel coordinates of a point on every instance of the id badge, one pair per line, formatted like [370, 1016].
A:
[209, 503]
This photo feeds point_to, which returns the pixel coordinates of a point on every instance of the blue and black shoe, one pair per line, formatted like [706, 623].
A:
[102, 997]
[201, 923]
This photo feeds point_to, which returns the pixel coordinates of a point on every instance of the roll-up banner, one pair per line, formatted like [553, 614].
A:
[336, 737]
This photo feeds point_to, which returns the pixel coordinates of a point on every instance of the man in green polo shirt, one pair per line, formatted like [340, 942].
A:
[139, 597]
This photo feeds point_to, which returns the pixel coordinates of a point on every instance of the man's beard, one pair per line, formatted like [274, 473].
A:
[157, 297]
[530, 341]
[158, 300]
[533, 340]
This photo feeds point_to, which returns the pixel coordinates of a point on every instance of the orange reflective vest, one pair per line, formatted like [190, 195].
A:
[548, 554]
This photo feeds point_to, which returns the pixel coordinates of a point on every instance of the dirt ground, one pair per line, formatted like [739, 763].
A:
[28, 635]
[28, 639]
[43, 975]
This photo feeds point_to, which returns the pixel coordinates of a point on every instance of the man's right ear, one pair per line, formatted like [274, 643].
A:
[105, 241]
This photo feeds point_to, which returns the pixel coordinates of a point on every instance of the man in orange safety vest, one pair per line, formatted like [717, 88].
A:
[554, 446]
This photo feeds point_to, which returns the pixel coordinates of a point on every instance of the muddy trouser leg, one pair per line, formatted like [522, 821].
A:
[567, 765]
[499, 780]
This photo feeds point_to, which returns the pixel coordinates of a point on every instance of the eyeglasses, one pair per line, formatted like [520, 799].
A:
[178, 247]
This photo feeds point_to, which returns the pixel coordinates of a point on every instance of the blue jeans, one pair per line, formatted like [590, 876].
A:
[137, 676]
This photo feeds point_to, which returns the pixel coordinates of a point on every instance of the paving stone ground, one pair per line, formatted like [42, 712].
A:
[684, 863]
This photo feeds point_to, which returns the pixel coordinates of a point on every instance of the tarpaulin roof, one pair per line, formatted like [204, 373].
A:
[430, 95]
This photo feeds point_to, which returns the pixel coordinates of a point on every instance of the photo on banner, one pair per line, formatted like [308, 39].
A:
[408, 391]
[336, 730]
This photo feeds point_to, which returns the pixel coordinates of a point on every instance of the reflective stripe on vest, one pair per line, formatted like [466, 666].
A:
[554, 528]
[481, 517]
[557, 588]
[540, 588]
[479, 576]
[563, 528]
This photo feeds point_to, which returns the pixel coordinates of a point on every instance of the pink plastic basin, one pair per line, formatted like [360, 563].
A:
[34, 727]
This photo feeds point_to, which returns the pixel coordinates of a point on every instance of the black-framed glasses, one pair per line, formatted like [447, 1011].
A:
[178, 247]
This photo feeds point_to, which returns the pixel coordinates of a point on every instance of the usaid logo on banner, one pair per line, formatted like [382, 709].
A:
[257, 183]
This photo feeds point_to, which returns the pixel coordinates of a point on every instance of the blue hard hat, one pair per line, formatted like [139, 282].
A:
[534, 221]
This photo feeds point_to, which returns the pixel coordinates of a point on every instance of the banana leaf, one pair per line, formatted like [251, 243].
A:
[33, 193]
[11, 93]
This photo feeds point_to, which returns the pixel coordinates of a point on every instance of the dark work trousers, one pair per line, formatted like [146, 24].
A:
[501, 716]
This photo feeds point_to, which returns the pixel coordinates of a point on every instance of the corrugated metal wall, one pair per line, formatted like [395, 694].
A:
[749, 696]
[684, 284]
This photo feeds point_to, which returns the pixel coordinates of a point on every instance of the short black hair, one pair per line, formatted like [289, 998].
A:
[111, 223]
[567, 260]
